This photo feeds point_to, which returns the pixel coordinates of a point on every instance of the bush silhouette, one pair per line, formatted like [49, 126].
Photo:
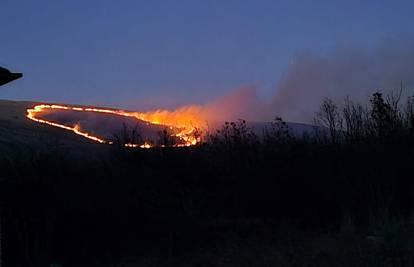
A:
[59, 207]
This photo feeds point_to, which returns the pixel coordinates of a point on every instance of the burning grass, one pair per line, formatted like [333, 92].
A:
[183, 124]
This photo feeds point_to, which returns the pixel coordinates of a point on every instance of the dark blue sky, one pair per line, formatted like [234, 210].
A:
[141, 54]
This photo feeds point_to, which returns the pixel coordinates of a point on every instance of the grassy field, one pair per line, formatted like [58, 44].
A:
[341, 198]
[18, 131]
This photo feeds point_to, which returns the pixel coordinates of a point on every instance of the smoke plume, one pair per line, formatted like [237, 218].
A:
[352, 72]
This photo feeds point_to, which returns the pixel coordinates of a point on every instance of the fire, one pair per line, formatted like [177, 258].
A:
[186, 120]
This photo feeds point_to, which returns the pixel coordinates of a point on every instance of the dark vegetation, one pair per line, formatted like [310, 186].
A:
[339, 196]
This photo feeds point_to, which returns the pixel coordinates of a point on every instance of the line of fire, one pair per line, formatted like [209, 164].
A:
[181, 134]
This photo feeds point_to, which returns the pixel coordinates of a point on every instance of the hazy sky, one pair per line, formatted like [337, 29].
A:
[140, 54]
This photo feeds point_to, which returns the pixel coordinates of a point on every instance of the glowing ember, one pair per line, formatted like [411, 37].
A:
[184, 121]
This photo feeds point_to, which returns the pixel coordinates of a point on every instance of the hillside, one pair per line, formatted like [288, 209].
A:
[236, 200]
[18, 131]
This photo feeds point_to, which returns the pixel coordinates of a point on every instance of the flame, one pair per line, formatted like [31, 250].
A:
[145, 145]
[186, 120]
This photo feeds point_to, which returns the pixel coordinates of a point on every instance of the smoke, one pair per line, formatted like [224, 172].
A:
[242, 103]
[347, 71]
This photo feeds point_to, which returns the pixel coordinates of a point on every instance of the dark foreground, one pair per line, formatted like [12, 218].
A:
[332, 198]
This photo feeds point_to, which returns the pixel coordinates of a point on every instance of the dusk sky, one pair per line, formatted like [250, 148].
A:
[145, 54]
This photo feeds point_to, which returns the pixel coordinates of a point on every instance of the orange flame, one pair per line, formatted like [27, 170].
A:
[186, 120]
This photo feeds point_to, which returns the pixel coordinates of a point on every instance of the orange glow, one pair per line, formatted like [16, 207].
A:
[184, 121]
